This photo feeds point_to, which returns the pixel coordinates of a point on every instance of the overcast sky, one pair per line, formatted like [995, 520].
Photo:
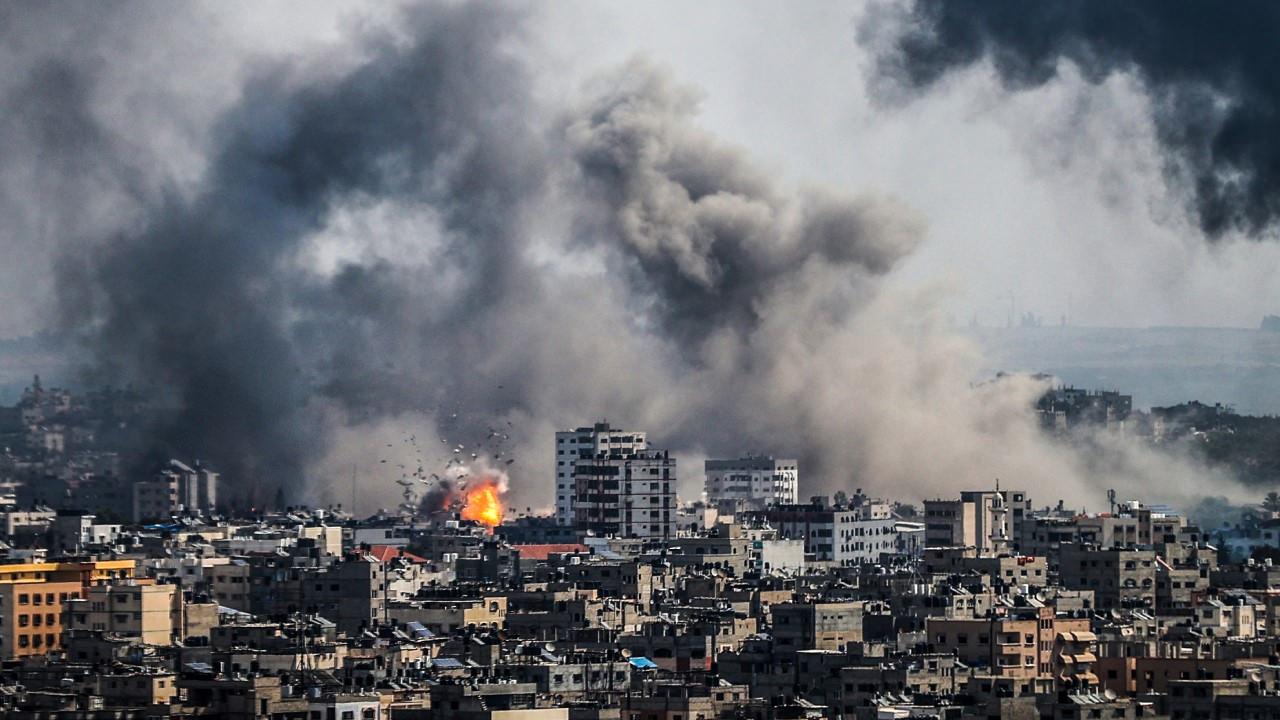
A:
[1051, 197]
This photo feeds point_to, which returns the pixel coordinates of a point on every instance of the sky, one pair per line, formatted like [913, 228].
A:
[323, 227]
[1050, 196]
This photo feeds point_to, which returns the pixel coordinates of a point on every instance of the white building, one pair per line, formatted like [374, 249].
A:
[755, 482]
[781, 556]
[587, 443]
[626, 495]
[839, 535]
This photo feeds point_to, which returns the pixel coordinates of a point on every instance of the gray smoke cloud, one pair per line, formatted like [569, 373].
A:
[1209, 68]
[412, 244]
[704, 234]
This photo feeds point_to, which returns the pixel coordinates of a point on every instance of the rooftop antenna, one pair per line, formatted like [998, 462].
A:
[1111, 498]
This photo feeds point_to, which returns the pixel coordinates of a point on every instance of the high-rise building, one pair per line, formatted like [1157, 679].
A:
[753, 482]
[626, 495]
[587, 443]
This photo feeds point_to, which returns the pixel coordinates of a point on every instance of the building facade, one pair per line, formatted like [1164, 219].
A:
[753, 482]
[587, 443]
[841, 535]
[145, 610]
[989, 520]
[626, 495]
[175, 489]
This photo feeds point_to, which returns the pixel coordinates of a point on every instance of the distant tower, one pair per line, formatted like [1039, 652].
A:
[1111, 498]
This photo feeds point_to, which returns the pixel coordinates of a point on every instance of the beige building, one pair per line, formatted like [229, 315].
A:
[1035, 644]
[138, 608]
[816, 626]
[988, 520]
[136, 689]
[445, 616]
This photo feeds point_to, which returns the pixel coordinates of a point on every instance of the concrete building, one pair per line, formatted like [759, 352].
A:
[177, 488]
[150, 612]
[73, 531]
[626, 495]
[752, 483]
[816, 626]
[1118, 577]
[841, 535]
[31, 617]
[587, 443]
[1028, 643]
[989, 520]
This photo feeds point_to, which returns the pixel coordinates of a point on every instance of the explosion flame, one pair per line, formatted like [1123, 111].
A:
[482, 502]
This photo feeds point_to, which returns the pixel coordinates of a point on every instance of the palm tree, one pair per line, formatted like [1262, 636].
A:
[1271, 502]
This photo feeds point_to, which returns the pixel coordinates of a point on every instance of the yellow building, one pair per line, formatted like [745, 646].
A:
[31, 616]
[86, 573]
[33, 598]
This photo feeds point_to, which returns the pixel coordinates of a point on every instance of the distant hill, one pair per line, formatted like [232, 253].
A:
[1158, 365]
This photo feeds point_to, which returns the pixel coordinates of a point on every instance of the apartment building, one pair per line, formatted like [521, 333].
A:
[626, 495]
[1026, 643]
[1118, 577]
[31, 615]
[753, 483]
[141, 609]
[859, 533]
[586, 443]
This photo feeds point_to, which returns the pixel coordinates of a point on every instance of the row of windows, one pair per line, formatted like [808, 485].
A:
[36, 640]
[45, 598]
[36, 620]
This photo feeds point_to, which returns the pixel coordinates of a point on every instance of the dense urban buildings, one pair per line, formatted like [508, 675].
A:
[137, 590]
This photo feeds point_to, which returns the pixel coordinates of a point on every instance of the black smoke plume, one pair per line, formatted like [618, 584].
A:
[204, 298]
[412, 241]
[1210, 69]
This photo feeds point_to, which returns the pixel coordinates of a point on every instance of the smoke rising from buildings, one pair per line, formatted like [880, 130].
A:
[1209, 69]
[415, 240]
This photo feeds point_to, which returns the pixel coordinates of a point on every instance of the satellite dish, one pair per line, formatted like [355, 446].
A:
[1109, 694]
[625, 652]
[549, 647]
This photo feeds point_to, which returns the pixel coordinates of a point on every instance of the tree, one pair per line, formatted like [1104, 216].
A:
[1272, 502]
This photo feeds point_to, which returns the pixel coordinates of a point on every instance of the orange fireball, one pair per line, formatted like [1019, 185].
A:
[483, 505]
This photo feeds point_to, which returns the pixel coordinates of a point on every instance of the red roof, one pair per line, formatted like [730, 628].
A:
[540, 552]
[384, 553]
